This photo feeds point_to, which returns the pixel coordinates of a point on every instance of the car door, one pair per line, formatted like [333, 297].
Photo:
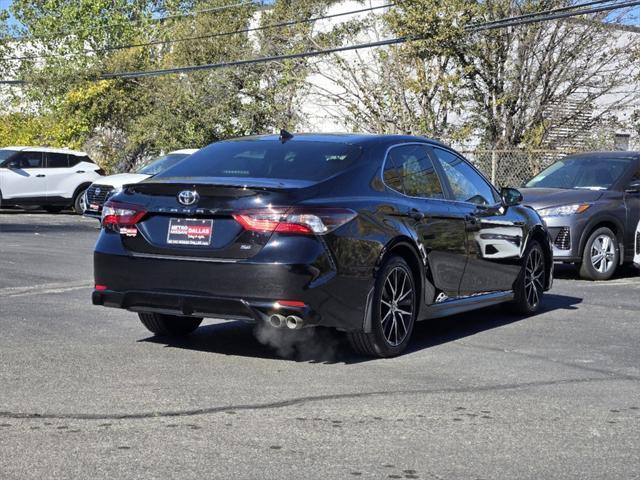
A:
[58, 172]
[494, 235]
[25, 177]
[439, 228]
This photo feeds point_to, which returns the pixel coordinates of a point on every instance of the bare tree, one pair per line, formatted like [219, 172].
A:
[385, 90]
[534, 85]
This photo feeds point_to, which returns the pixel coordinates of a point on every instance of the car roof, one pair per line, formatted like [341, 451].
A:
[184, 151]
[46, 149]
[346, 138]
[603, 155]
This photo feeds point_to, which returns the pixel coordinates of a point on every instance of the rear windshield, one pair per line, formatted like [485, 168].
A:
[582, 173]
[262, 159]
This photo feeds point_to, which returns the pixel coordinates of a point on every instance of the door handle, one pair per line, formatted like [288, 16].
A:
[415, 214]
[80, 171]
[41, 175]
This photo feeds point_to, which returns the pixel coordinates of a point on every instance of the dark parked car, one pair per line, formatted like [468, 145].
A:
[362, 233]
[591, 204]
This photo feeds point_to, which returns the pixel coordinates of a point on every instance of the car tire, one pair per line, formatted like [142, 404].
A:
[528, 288]
[79, 202]
[601, 242]
[393, 314]
[169, 325]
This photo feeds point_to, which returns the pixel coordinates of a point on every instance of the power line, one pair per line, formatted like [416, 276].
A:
[211, 10]
[507, 22]
[548, 15]
[251, 61]
[544, 16]
[202, 37]
[535, 14]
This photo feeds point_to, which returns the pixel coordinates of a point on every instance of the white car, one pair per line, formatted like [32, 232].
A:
[52, 178]
[636, 257]
[99, 192]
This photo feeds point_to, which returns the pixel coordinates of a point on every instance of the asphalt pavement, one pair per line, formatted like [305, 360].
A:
[87, 392]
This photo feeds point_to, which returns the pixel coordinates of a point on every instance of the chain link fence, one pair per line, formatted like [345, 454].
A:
[511, 168]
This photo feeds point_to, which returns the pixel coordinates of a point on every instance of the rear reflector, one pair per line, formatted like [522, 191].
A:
[116, 214]
[290, 303]
[304, 221]
[100, 288]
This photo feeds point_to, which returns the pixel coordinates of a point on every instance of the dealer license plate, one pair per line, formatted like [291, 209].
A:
[190, 231]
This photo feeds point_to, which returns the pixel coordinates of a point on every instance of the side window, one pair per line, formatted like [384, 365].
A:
[74, 160]
[466, 183]
[413, 165]
[57, 160]
[30, 160]
[392, 173]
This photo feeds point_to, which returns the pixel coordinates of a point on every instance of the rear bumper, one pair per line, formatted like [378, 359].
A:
[229, 290]
[200, 306]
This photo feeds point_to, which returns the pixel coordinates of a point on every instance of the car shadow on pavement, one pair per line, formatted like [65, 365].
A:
[436, 332]
[327, 346]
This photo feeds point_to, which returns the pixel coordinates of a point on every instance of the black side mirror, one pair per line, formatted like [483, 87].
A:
[634, 187]
[510, 197]
[12, 164]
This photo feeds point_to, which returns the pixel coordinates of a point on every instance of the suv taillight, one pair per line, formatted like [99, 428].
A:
[117, 214]
[304, 221]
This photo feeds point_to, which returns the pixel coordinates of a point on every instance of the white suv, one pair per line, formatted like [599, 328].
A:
[106, 187]
[636, 258]
[52, 178]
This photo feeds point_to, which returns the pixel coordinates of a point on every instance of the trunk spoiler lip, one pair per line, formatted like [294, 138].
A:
[233, 182]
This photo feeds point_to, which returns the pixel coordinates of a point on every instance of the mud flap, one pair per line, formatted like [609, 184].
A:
[368, 312]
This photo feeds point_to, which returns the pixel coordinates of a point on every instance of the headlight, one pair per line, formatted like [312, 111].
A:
[564, 210]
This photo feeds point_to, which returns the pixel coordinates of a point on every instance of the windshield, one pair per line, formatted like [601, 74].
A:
[582, 173]
[262, 159]
[6, 154]
[162, 163]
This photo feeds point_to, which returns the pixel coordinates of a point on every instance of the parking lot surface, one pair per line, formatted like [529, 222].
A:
[87, 392]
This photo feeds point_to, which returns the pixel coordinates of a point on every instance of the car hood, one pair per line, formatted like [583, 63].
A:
[117, 181]
[554, 197]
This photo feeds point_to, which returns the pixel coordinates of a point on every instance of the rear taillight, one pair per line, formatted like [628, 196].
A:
[116, 214]
[304, 221]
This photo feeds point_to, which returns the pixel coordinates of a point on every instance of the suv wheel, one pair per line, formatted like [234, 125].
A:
[80, 202]
[169, 325]
[394, 312]
[601, 255]
[529, 286]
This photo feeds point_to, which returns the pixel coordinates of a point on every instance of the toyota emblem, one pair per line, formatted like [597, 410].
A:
[188, 197]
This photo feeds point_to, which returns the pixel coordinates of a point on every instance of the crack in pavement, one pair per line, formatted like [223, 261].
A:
[44, 288]
[622, 376]
[299, 401]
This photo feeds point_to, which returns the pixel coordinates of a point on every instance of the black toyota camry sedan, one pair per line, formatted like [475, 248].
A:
[363, 233]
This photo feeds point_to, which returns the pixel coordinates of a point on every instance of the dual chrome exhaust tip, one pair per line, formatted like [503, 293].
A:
[292, 322]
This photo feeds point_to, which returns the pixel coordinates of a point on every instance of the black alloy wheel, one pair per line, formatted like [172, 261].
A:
[394, 312]
[529, 286]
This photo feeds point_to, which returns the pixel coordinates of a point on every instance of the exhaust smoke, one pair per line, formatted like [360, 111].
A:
[315, 344]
